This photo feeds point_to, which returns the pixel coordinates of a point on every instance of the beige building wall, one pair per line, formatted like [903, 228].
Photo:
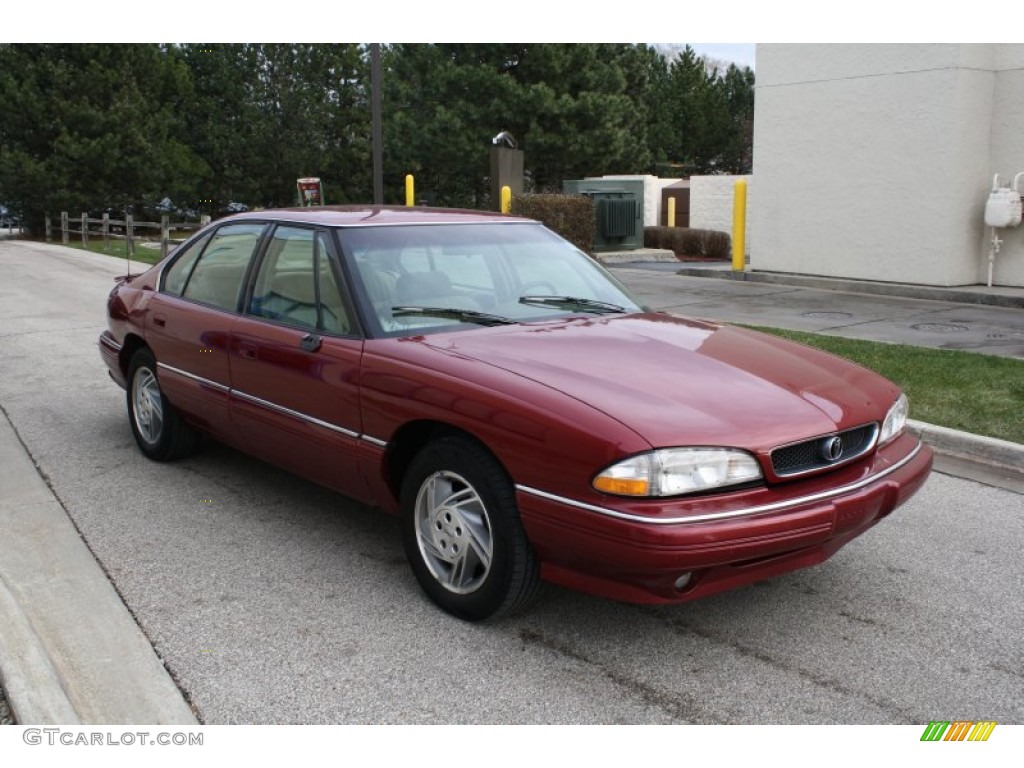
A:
[712, 199]
[874, 161]
[1008, 155]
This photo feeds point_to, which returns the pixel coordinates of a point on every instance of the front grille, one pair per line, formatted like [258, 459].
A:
[821, 452]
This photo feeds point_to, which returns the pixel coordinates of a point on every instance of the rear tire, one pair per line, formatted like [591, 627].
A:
[462, 532]
[161, 433]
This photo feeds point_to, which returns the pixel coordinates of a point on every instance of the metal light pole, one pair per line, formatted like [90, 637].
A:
[378, 148]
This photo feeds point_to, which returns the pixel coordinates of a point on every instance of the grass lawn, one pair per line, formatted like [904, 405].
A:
[982, 394]
[117, 248]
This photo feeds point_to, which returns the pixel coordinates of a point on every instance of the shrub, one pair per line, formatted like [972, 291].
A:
[685, 242]
[571, 216]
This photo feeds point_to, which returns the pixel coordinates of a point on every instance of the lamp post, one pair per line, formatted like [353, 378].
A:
[378, 149]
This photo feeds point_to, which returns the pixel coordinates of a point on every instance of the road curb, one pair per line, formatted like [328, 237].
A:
[963, 445]
[1013, 298]
[33, 687]
[640, 254]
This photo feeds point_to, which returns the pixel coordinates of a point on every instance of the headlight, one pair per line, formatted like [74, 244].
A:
[673, 471]
[895, 421]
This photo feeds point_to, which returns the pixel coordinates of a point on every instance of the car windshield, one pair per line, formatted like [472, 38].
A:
[460, 273]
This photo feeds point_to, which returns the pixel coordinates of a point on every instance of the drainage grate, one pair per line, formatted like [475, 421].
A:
[940, 328]
[828, 315]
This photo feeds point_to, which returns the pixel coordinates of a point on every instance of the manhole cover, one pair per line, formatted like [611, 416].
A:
[939, 328]
[828, 315]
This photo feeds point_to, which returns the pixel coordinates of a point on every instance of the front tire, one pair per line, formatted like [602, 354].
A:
[161, 433]
[462, 532]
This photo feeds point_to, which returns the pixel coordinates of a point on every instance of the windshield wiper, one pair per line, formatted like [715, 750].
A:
[575, 303]
[451, 313]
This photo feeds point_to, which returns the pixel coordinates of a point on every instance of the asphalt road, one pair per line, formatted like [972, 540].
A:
[272, 600]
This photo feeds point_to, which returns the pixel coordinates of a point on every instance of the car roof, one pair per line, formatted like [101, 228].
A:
[376, 216]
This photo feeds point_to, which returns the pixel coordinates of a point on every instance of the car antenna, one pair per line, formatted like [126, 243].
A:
[127, 250]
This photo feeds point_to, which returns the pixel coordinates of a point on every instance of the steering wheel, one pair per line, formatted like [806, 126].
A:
[525, 289]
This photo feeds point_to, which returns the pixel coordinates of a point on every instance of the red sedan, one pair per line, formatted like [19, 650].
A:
[524, 415]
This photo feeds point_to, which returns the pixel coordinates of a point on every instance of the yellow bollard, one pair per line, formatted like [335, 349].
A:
[671, 211]
[739, 227]
[506, 199]
[410, 193]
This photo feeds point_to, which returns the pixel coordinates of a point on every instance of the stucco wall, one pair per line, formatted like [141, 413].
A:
[711, 203]
[873, 161]
[1007, 160]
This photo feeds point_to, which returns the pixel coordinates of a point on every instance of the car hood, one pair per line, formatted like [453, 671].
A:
[676, 381]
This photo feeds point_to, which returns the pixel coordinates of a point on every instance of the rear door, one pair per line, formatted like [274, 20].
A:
[189, 321]
[295, 357]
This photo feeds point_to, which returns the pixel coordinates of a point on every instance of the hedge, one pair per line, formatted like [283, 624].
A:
[571, 216]
[686, 242]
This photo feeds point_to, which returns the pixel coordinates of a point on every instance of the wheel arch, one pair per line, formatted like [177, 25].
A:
[132, 344]
[412, 437]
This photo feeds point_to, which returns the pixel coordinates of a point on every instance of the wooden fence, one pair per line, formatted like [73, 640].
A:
[105, 227]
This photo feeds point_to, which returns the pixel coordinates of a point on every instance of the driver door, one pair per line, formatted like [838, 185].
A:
[295, 357]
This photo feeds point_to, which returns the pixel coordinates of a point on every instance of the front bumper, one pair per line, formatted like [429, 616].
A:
[724, 540]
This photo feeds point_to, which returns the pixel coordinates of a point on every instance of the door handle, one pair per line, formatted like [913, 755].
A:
[159, 320]
[247, 351]
[311, 342]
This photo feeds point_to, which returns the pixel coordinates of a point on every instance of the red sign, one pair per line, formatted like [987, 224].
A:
[311, 192]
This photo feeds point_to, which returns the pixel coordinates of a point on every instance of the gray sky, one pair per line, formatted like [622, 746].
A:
[533, 20]
[740, 53]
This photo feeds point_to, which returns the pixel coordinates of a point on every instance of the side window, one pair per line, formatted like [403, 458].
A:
[296, 284]
[546, 271]
[177, 274]
[217, 278]
[446, 276]
[333, 317]
[466, 269]
[416, 260]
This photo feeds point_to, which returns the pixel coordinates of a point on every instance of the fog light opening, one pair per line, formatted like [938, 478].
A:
[683, 580]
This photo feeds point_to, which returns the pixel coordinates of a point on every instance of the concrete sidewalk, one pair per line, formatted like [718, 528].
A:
[70, 652]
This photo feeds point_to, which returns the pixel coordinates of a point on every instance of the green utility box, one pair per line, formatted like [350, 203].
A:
[618, 211]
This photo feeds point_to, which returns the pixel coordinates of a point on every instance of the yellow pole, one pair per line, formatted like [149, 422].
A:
[739, 227]
[671, 211]
[506, 199]
[410, 193]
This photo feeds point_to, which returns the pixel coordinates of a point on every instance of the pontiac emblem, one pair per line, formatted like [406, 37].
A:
[832, 449]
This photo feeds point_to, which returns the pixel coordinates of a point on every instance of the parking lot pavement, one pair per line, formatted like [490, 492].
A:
[272, 600]
[936, 322]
